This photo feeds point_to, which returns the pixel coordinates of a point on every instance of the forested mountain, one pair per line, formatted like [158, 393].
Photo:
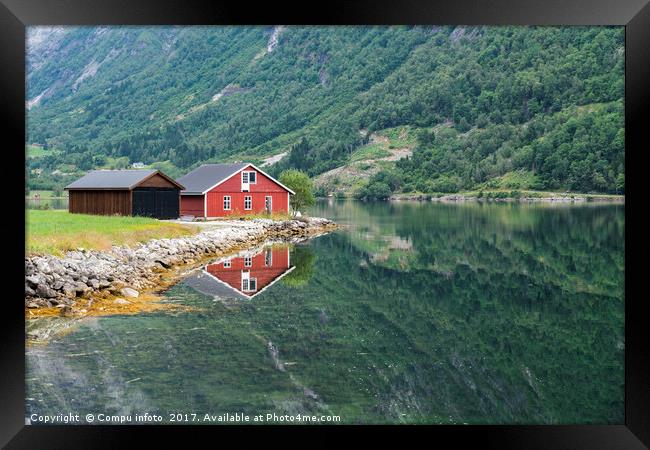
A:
[472, 105]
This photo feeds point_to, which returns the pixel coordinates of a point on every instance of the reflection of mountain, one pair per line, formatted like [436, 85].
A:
[529, 328]
[243, 276]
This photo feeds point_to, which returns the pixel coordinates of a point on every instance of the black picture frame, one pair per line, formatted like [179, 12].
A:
[15, 15]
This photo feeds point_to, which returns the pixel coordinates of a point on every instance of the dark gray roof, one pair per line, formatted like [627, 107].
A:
[207, 285]
[110, 179]
[204, 177]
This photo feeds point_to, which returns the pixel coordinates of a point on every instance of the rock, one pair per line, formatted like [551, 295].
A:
[69, 290]
[32, 305]
[45, 291]
[121, 301]
[104, 283]
[94, 283]
[29, 291]
[34, 280]
[129, 292]
[81, 287]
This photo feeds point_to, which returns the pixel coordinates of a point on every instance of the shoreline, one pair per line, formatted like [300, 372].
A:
[125, 279]
[554, 198]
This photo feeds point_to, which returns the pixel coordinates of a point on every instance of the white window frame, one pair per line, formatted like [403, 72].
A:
[251, 282]
[227, 264]
[227, 200]
[248, 198]
[248, 261]
[268, 200]
[268, 258]
[247, 174]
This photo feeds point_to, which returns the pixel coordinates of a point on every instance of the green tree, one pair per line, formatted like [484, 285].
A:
[301, 184]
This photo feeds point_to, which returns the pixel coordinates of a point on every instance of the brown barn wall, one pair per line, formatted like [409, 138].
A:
[100, 202]
[157, 181]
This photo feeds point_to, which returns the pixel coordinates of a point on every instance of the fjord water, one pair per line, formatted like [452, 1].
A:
[412, 313]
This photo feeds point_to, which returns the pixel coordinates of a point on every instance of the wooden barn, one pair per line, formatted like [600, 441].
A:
[218, 190]
[148, 193]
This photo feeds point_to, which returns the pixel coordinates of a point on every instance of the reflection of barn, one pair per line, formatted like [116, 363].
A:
[243, 276]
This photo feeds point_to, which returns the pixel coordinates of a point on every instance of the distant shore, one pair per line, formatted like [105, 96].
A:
[504, 196]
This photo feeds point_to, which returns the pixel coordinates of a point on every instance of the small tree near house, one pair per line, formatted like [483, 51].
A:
[301, 184]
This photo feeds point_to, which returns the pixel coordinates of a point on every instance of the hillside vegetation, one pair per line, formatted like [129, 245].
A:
[544, 104]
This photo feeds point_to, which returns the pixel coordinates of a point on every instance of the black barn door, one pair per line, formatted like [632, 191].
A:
[156, 202]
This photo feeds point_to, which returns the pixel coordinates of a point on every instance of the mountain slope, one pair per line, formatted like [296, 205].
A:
[175, 97]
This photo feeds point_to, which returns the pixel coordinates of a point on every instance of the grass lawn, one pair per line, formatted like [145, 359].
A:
[55, 232]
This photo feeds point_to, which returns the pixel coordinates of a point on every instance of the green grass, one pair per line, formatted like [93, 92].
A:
[370, 151]
[517, 179]
[35, 151]
[400, 137]
[55, 232]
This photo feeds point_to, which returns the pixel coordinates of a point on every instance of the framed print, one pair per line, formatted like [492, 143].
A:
[371, 218]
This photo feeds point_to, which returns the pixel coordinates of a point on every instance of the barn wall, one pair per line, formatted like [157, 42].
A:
[215, 203]
[192, 205]
[258, 191]
[100, 202]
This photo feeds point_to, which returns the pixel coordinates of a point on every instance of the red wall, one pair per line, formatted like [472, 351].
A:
[192, 205]
[258, 191]
[264, 274]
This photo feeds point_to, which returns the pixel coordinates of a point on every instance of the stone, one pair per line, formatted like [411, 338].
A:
[94, 283]
[69, 290]
[121, 301]
[32, 305]
[29, 291]
[45, 291]
[129, 292]
[81, 287]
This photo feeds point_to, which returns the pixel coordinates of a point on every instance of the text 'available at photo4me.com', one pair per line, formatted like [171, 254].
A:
[171, 418]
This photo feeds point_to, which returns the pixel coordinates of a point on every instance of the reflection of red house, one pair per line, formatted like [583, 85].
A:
[218, 190]
[250, 275]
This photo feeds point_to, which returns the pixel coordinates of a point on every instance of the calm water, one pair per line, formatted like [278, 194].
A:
[415, 313]
[46, 203]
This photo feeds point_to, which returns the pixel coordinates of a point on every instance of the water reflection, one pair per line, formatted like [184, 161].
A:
[46, 203]
[244, 275]
[413, 313]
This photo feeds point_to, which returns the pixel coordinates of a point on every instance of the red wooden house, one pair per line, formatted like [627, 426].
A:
[243, 276]
[219, 190]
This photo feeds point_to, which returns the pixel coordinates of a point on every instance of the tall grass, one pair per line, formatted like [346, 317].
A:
[56, 232]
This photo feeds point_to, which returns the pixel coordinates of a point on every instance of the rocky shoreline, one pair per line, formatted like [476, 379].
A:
[126, 272]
